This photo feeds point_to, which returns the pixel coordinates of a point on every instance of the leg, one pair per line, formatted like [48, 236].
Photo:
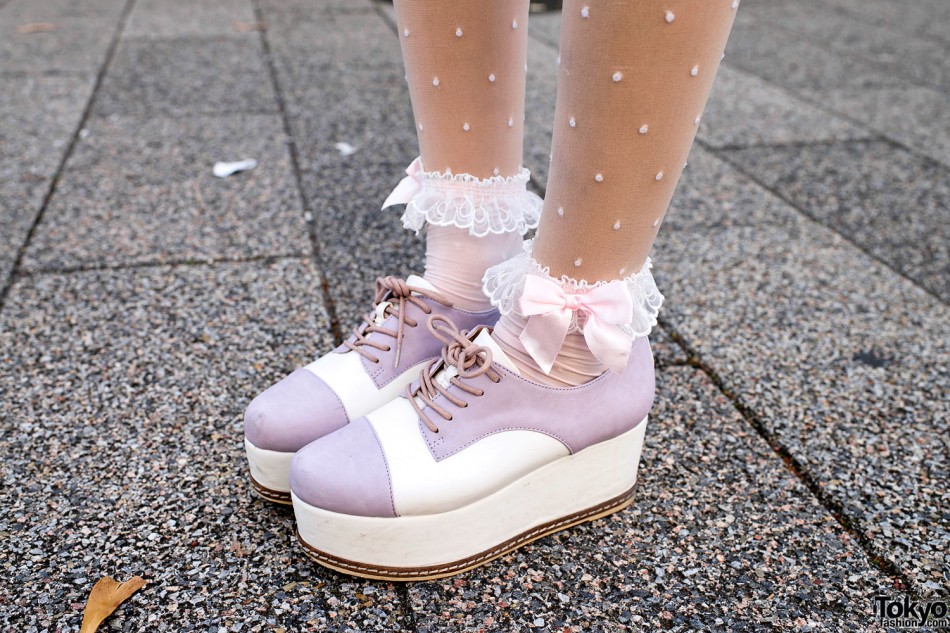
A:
[633, 81]
[465, 64]
[484, 454]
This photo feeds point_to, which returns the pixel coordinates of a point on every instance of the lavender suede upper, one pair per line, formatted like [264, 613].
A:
[301, 407]
[577, 416]
[423, 345]
[292, 413]
[347, 472]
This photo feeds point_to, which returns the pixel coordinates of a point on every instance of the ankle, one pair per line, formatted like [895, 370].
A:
[575, 363]
[456, 262]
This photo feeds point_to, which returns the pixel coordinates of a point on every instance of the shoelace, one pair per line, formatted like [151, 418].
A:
[468, 359]
[392, 295]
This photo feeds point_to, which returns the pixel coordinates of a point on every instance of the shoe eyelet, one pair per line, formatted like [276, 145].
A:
[451, 417]
[389, 348]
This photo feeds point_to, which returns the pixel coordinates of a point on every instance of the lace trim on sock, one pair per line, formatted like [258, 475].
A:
[504, 285]
[500, 204]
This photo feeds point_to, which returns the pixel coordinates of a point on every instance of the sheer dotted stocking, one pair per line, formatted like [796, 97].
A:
[466, 66]
[633, 80]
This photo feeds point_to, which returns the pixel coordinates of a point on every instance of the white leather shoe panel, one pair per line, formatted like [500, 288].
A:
[421, 485]
[345, 375]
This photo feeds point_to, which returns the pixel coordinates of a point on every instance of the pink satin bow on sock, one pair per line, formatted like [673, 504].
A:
[407, 187]
[550, 307]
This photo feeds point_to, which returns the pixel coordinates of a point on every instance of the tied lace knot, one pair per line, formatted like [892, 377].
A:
[392, 296]
[462, 360]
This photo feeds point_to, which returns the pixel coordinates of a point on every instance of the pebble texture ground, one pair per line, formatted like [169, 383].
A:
[797, 458]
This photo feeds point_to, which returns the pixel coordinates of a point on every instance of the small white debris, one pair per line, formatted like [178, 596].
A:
[346, 149]
[669, 16]
[223, 170]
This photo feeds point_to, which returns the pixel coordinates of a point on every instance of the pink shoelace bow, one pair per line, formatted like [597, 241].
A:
[550, 308]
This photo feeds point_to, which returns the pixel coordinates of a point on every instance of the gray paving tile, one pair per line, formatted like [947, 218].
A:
[78, 43]
[27, 11]
[140, 190]
[666, 351]
[181, 18]
[719, 537]
[320, 7]
[187, 76]
[860, 42]
[40, 115]
[746, 110]
[306, 39]
[888, 201]
[786, 59]
[841, 360]
[546, 28]
[122, 395]
[925, 17]
[18, 208]
[540, 97]
[917, 117]
[358, 242]
[368, 109]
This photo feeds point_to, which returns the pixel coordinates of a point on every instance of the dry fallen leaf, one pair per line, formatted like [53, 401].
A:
[36, 27]
[105, 597]
[246, 27]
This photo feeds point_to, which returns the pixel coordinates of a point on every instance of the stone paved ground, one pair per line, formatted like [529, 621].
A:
[797, 462]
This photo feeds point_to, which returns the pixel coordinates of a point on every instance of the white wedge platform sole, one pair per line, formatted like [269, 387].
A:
[270, 472]
[590, 484]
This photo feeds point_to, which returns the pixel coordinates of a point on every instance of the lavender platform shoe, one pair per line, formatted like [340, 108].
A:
[472, 462]
[380, 358]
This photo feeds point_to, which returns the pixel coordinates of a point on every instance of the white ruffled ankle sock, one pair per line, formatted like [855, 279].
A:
[457, 260]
